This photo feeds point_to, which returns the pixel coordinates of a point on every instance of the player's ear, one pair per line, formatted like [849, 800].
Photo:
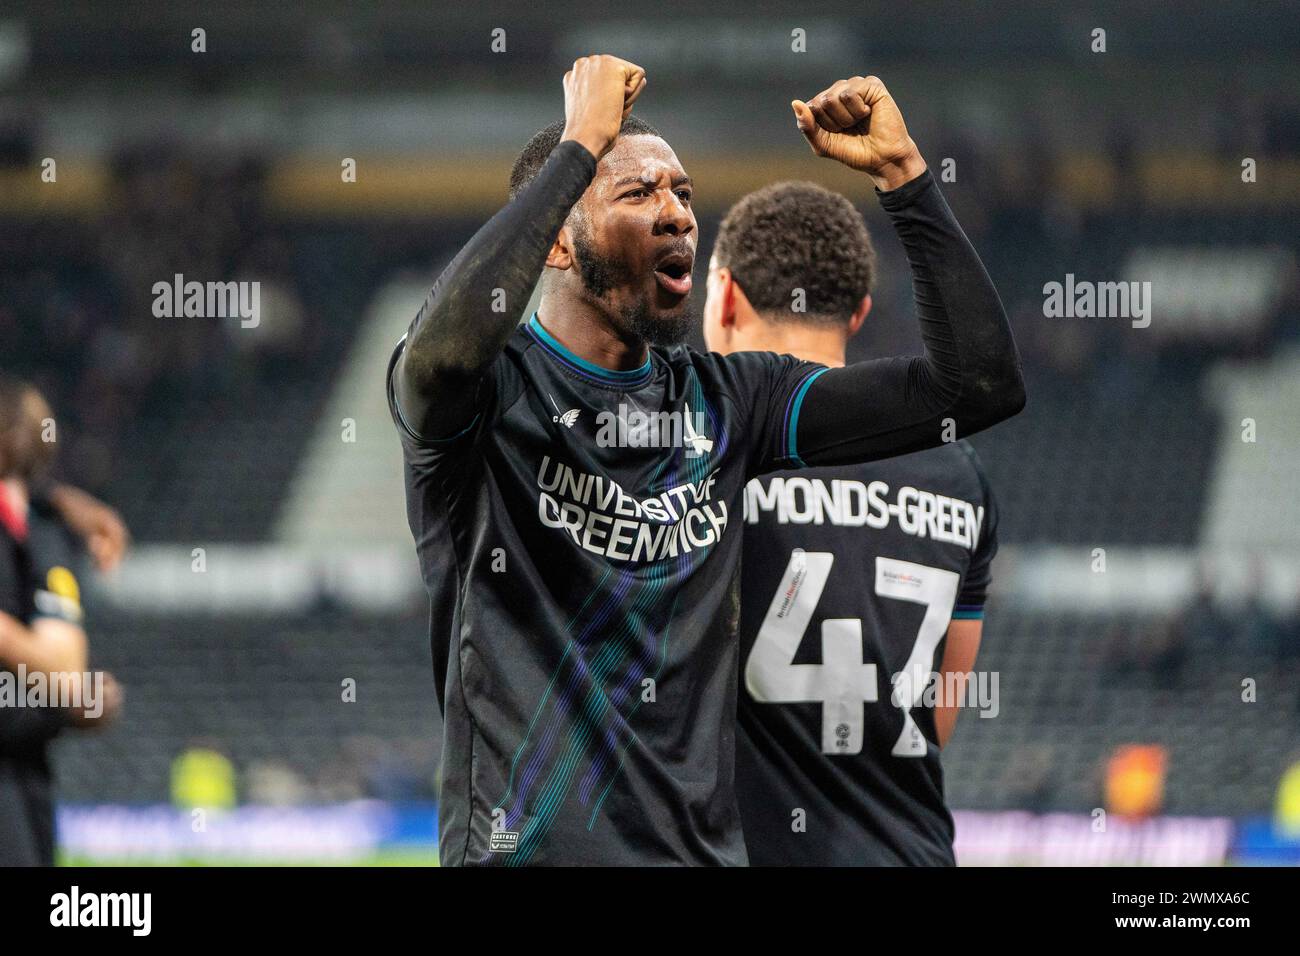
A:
[859, 315]
[560, 255]
[728, 291]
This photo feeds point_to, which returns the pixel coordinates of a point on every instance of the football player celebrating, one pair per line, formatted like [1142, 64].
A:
[573, 484]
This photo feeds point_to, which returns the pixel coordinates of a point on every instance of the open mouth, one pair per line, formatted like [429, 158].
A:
[673, 273]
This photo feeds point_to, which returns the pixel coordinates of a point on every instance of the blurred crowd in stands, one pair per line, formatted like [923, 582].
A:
[1158, 650]
[76, 301]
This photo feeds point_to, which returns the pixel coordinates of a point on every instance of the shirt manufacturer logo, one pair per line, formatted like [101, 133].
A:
[567, 419]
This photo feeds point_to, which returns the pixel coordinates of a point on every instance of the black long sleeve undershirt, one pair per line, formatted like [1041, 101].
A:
[465, 322]
[970, 372]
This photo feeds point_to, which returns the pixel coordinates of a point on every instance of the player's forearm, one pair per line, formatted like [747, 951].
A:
[971, 370]
[100, 527]
[462, 326]
[57, 649]
[961, 647]
[945, 715]
[969, 377]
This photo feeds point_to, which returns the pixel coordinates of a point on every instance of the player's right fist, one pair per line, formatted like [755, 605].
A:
[856, 122]
[598, 95]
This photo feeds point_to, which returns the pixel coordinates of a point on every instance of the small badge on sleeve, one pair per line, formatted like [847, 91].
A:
[61, 597]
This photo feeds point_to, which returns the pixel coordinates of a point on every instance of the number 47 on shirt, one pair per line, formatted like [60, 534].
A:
[844, 683]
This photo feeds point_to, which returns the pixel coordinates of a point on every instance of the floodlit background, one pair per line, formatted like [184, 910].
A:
[1144, 625]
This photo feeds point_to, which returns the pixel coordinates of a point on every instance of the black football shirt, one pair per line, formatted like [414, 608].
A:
[580, 542]
[851, 576]
[36, 580]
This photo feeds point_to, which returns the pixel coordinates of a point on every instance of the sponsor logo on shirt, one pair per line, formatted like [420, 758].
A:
[61, 596]
[602, 517]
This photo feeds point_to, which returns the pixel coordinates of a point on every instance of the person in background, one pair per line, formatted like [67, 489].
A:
[41, 629]
[847, 604]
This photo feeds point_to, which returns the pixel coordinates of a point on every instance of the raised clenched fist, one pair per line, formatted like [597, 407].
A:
[856, 122]
[598, 95]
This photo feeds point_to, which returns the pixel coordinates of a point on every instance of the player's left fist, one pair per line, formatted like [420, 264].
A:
[856, 122]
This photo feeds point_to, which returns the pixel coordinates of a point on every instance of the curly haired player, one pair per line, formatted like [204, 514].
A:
[857, 577]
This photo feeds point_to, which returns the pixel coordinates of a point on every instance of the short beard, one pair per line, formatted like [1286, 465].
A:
[658, 329]
[600, 274]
